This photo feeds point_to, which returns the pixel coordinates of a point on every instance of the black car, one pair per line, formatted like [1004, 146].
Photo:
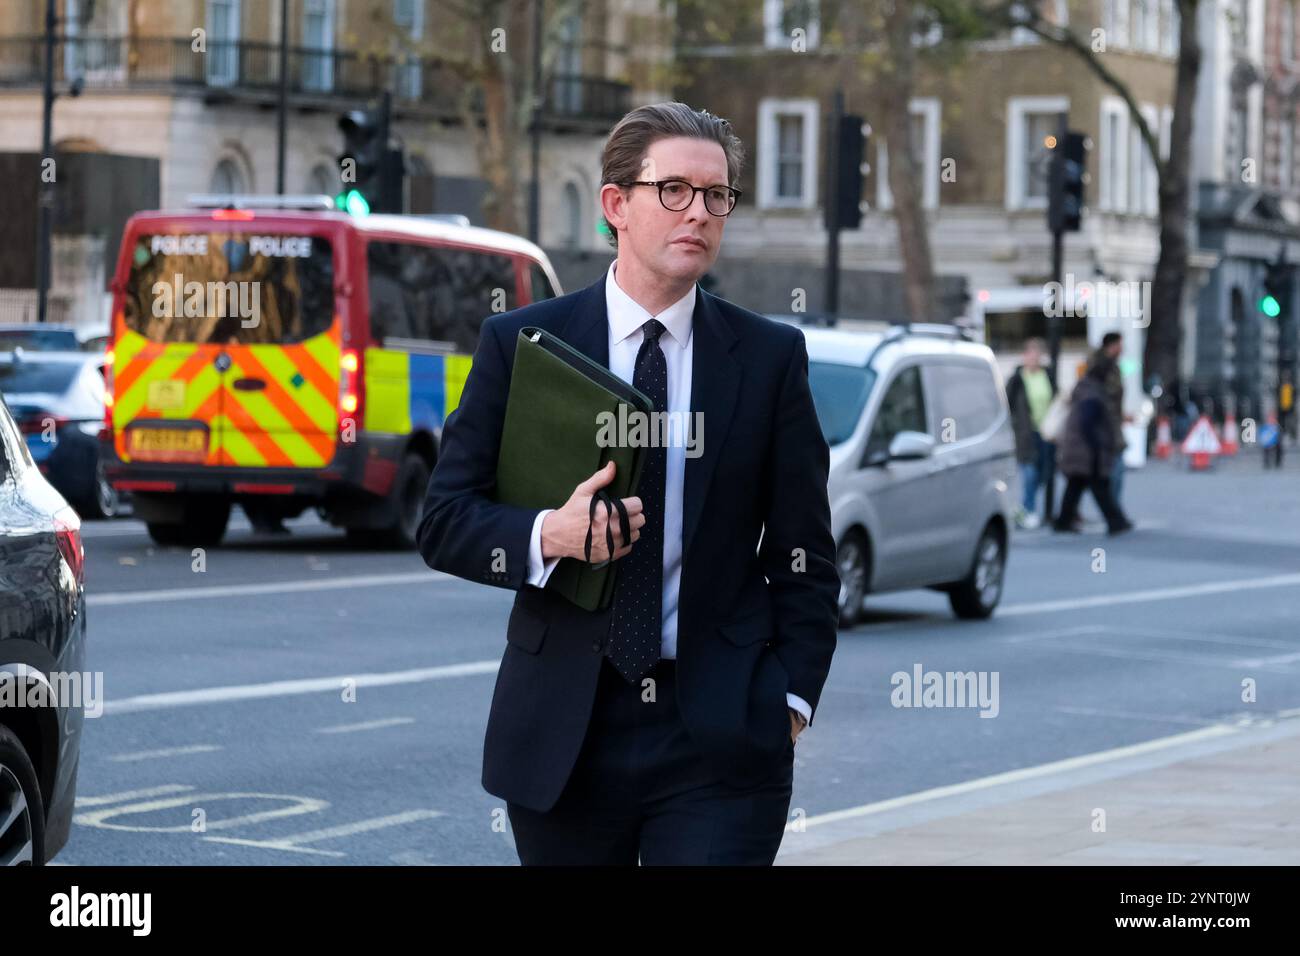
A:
[57, 398]
[42, 650]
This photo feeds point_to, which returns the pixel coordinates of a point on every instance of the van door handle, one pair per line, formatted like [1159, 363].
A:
[249, 384]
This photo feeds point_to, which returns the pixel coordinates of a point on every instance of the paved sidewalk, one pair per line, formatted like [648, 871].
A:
[1224, 795]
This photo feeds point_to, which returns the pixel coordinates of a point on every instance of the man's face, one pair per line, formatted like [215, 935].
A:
[1115, 348]
[1033, 356]
[657, 237]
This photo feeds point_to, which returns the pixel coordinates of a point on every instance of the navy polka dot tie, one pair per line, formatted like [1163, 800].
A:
[638, 592]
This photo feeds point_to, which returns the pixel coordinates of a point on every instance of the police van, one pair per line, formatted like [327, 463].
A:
[275, 353]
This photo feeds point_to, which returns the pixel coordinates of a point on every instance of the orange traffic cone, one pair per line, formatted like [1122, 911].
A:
[1164, 437]
[1230, 434]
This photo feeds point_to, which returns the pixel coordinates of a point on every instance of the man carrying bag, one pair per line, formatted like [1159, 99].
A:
[660, 729]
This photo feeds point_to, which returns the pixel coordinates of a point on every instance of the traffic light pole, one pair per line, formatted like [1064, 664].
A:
[1054, 318]
[45, 211]
[282, 110]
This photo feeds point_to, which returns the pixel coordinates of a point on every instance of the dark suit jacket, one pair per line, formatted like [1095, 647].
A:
[753, 623]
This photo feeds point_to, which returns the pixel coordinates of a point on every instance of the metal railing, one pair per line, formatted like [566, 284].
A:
[248, 67]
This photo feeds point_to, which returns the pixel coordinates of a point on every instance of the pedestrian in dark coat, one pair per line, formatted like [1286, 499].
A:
[1086, 453]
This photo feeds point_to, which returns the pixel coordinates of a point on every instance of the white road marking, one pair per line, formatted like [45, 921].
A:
[369, 725]
[1267, 661]
[168, 752]
[1134, 715]
[273, 587]
[298, 805]
[294, 841]
[1153, 594]
[286, 688]
[1016, 776]
[131, 795]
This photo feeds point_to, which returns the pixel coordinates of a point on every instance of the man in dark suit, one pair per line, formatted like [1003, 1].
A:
[661, 729]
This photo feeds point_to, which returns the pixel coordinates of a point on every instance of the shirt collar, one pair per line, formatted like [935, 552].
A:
[626, 315]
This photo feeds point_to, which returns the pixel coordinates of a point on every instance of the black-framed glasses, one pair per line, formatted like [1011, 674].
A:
[677, 194]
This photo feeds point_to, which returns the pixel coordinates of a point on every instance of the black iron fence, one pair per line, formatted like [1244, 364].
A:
[252, 67]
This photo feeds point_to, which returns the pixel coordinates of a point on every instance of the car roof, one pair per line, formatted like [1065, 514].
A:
[856, 346]
[439, 230]
[52, 356]
[36, 327]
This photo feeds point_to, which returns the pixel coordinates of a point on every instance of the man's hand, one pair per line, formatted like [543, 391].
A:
[796, 724]
[564, 531]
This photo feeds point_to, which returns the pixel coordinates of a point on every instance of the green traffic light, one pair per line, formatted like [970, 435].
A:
[1270, 306]
[353, 202]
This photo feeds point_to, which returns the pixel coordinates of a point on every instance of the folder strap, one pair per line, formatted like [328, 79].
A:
[607, 500]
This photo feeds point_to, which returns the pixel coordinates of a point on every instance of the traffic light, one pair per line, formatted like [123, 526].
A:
[844, 205]
[1277, 284]
[372, 172]
[1066, 177]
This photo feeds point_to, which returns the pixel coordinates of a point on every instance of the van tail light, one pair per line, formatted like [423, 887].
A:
[106, 434]
[36, 422]
[67, 532]
[352, 391]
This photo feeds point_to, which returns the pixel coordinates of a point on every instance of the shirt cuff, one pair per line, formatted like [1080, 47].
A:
[799, 704]
[539, 570]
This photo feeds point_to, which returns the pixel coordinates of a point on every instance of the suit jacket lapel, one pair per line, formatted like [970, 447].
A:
[715, 380]
[587, 328]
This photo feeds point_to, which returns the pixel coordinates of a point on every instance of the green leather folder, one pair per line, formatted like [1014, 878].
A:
[550, 444]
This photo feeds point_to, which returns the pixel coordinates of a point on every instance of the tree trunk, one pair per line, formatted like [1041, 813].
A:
[897, 78]
[1165, 331]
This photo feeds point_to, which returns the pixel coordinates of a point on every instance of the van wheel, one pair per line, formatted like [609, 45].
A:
[976, 595]
[407, 503]
[203, 525]
[22, 815]
[851, 560]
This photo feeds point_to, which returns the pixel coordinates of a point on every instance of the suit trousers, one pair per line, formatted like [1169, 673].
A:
[642, 792]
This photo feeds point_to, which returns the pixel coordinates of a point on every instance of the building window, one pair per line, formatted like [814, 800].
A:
[1030, 121]
[98, 54]
[782, 17]
[566, 89]
[925, 146]
[1019, 35]
[573, 217]
[1142, 171]
[318, 39]
[228, 179]
[223, 42]
[408, 16]
[1285, 153]
[1286, 30]
[1114, 20]
[787, 153]
[1115, 151]
[1168, 28]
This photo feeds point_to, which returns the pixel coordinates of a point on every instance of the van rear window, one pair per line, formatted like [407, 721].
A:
[436, 293]
[230, 288]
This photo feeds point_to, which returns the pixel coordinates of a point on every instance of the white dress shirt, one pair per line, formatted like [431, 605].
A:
[625, 336]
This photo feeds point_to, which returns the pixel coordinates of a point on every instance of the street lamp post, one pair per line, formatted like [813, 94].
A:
[45, 212]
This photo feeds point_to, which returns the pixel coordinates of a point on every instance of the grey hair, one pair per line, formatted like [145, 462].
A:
[632, 136]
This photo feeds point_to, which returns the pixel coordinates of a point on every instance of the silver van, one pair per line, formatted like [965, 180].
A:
[922, 462]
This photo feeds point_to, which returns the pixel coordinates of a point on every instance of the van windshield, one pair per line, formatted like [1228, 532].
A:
[230, 288]
[840, 393]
